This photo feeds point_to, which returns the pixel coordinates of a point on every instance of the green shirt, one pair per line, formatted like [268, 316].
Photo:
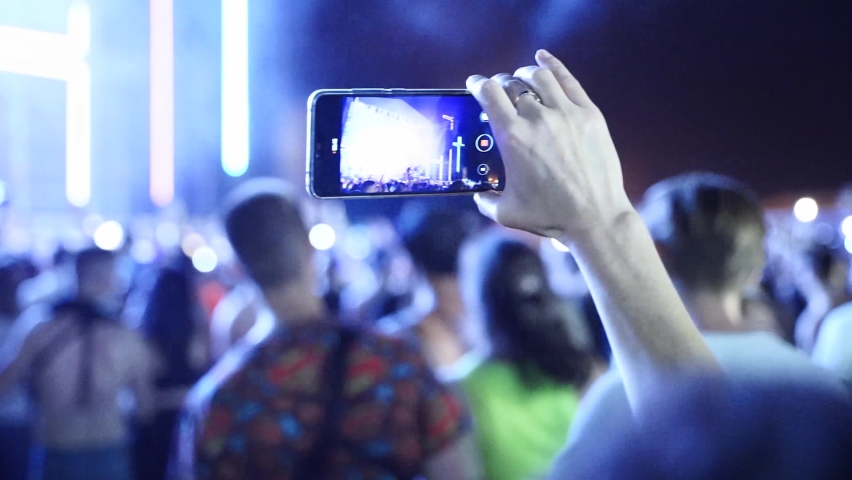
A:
[520, 429]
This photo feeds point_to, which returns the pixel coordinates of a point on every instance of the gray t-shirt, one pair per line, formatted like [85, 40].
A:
[605, 412]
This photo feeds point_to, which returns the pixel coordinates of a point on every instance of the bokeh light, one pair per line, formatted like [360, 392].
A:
[846, 227]
[191, 242]
[143, 251]
[167, 234]
[322, 236]
[109, 236]
[204, 259]
[806, 210]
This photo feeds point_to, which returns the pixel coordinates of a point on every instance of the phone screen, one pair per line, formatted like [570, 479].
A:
[403, 144]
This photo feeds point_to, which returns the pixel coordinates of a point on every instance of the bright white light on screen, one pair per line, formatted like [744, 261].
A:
[61, 57]
[162, 115]
[848, 244]
[235, 87]
[806, 210]
[3, 192]
[205, 260]
[109, 236]
[846, 227]
[91, 223]
[559, 245]
[322, 236]
[191, 243]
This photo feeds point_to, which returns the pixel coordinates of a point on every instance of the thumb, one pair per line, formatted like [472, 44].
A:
[488, 203]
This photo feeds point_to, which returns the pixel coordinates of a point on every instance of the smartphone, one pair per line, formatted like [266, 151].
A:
[396, 142]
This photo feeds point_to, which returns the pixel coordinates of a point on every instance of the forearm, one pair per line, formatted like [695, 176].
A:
[646, 322]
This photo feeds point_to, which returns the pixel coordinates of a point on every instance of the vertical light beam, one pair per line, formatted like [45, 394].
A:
[78, 121]
[162, 115]
[235, 87]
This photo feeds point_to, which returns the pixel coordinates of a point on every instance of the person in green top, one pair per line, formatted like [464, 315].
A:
[524, 395]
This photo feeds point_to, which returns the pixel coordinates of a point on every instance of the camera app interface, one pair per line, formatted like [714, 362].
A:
[416, 144]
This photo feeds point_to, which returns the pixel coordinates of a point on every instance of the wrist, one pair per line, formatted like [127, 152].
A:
[605, 229]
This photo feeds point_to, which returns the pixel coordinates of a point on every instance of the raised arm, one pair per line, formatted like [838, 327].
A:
[564, 181]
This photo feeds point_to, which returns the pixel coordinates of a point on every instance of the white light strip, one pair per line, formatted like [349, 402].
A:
[235, 87]
[78, 143]
[78, 123]
[60, 57]
[162, 114]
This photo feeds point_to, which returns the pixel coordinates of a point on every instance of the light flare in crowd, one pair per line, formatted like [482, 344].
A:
[205, 259]
[322, 236]
[846, 227]
[109, 236]
[806, 210]
[191, 243]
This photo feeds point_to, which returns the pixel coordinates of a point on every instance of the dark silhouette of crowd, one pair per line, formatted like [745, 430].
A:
[675, 338]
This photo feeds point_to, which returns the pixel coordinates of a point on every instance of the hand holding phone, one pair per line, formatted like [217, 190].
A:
[380, 143]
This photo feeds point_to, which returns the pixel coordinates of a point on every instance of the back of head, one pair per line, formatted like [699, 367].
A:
[265, 227]
[168, 320]
[708, 429]
[828, 264]
[434, 236]
[96, 270]
[709, 229]
[526, 322]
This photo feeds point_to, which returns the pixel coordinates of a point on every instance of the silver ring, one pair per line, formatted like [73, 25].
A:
[527, 92]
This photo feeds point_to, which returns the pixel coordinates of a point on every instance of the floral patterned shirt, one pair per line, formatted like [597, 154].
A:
[261, 409]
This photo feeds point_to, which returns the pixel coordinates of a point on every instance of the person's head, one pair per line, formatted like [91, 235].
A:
[709, 230]
[830, 267]
[169, 318]
[434, 237]
[97, 275]
[506, 288]
[264, 224]
[707, 429]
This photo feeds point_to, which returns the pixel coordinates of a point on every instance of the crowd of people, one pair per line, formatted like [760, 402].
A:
[674, 340]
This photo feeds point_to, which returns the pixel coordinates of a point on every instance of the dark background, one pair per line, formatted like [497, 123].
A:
[758, 90]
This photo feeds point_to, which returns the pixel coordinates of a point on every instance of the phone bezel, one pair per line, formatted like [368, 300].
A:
[311, 167]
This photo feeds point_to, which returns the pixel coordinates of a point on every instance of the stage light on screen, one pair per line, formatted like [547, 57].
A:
[162, 115]
[846, 227]
[848, 244]
[235, 87]
[559, 246]
[109, 236]
[61, 57]
[322, 236]
[806, 210]
[205, 260]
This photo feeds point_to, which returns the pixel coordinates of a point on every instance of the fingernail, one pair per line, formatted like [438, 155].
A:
[544, 54]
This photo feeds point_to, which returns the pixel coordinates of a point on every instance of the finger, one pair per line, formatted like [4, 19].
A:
[569, 84]
[513, 86]
[487, 203]
[544, 83]
[493, 99]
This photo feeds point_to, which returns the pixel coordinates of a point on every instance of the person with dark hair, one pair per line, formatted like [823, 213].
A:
[77, 358]
[709, 231]
[523, 397]
[174, 325]
[314, 398]
[434, 238]
[709, 430]
[824, 285]
[14, 405]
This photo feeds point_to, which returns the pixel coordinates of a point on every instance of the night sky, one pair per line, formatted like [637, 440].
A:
[758, 90]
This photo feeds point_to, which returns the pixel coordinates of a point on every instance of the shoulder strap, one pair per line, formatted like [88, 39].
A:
[334, 373]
